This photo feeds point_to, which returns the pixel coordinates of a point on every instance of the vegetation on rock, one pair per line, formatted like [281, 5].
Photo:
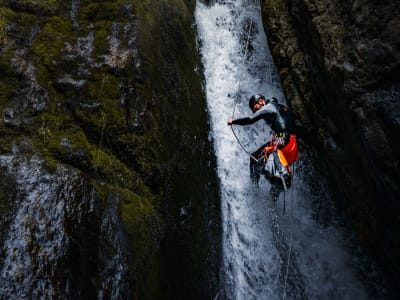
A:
[105, 87]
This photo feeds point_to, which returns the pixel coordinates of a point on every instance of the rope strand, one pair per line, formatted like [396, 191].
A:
[290, 237]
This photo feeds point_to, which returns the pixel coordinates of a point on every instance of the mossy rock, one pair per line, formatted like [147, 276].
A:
[49, 44]
[102, 30]
[144, 229]
[108, 168]
[104, 10]
[10, 82]
[67, 144]
[42, 7]
[91, 127]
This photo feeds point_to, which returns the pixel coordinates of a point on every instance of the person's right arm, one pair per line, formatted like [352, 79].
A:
[260, 114]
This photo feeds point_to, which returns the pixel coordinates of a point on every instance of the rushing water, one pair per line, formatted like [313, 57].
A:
[306, 252]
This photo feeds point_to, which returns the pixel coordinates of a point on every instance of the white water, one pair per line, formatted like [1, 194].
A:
[266, 255]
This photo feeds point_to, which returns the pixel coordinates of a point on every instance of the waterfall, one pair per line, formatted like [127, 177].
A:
[308, 252]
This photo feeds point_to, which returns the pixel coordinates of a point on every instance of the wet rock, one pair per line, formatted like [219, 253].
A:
[10, 118]
[66, 83]
[345, 73]
[66, 64]
[72, 154]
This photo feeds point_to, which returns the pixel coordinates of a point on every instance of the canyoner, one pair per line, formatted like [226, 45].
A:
[274, 158]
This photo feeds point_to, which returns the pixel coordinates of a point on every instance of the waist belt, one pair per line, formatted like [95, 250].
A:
[283, 134]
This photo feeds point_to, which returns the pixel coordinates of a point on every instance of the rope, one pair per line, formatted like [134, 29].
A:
[284, 202]
[242, 146]
[290, 239]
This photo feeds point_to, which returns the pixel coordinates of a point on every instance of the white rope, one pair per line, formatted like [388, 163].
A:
[290, 236]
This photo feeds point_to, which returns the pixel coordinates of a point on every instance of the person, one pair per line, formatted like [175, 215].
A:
[279, 118]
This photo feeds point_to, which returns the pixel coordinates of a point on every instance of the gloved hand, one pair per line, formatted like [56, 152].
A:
[230, 122]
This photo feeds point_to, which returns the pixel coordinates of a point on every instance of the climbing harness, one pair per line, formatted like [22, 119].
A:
[276, 164]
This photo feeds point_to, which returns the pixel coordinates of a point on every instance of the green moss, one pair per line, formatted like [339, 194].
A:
[109, 169]
[7, 138]
[50, 42]
[143, 229]
[145, 151]
[8, 194]
[22, 24]
[284, 72]
[49, 49]
[6, 15]
[102, 30]
[103, 88]
[58, 139]
[40, 3]
[134, 211]
[146, 12]
[107, 10]
[141, 223]
[3, 31]
[10, 82]
[275, 4]
[137, 163]
[49, 166]
[67, 144]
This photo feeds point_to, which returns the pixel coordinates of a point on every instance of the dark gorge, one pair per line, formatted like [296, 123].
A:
[339, 65]
[108, 183]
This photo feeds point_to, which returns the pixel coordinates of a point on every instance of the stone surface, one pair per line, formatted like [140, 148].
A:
[108, 89]
[340, 64]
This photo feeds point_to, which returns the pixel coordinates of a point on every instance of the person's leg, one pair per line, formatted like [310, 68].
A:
[256, 164]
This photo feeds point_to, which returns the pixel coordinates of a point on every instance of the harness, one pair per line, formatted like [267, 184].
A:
[278, 156]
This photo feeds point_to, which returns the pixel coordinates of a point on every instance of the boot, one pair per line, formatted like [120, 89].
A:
[255, 172]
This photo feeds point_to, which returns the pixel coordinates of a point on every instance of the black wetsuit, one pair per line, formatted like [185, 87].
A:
[280, 119]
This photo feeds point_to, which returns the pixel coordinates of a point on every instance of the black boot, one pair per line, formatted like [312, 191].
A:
[255, 171]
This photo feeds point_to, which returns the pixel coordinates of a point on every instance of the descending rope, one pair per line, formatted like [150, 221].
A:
[290, 240]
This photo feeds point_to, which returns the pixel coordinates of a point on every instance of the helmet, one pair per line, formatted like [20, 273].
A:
[254, 99]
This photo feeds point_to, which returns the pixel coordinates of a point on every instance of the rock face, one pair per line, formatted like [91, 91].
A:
[340, 64]
[102, 101]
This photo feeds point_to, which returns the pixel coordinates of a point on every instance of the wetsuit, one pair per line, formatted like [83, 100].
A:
[280, 119]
